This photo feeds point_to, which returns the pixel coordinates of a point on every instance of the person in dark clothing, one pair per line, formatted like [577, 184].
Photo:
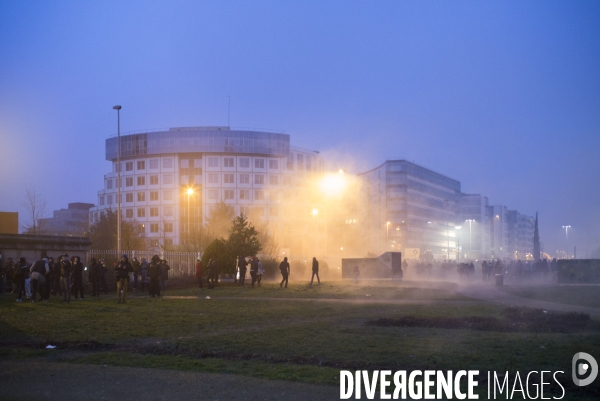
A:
[137, 267]
[254, 269]
[77, 278]
[212, 274]
[284, 267]
[199, 272]
[122, 271]
[20, 272]
[56, 276]
[242, 267]
[102, 270]
[49, 279]
[261, 271]
[144, 274]
[38, 272]
[8, 273]
[315, 271]
[93, 277]
[164, 274]
[154, 273]
[65, 278]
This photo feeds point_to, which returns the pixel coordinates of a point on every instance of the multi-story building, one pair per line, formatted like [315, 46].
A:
[171, 180]
[475, 222]
[411, 209]
[499, 233]
[71, 221]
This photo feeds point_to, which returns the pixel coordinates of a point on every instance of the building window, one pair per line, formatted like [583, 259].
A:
[109, 199]
[228, 179]
[259, 179]
[141, 229]
[168, 241]
[153, 163]
[128, 166]
[168, 163]
[213, 162]
[213, 178]
[141, 180]
[244, 178]
[109, 184]
[213, 194]
[141, 196]
[273, 164]
[153, 180]
[153, 227]
[287, 180]
[129, 181]
[102, 201]
[129, 213]
[169, 228]
[259, 163]
[245, 210]
[168, 210]
[184, 163]
[259, 195]
[141, 212]
[129, 197]
[141, 165]
[154, 195]
[244, 194]
[153, 212]
[228, 162]
[273, 180]
[290, 162]
[228, 194]
[244, 162]
[168, 195]
[198, 163]
[168, 179]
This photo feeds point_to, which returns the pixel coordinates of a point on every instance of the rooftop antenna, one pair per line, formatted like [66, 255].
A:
[228, 109]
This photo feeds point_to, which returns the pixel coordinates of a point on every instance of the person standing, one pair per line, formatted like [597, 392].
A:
[261, 271]
[19, 276]
[212, 274]
[122, 271]
[356, 274]
[199, 272]
[93, 277]
[38, 272]
[27, 285]
[144, 274]
[65, 278]
[315, 271]
[284, 267]
[164, 274]
[242, 263]
[154, 273]
[137, 267]
[56, 276]
[254, 269]
[49, 279]
[77, 278]
[102, 270]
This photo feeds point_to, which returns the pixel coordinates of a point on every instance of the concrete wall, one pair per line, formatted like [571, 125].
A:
[388, 265]
[34, 247]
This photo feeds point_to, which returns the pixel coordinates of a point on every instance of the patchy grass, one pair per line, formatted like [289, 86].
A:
[277, 338]
[582, 295]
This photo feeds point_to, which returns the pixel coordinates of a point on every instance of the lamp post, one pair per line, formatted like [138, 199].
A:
[118, 109]
[387, 236]
[190, 191]
[567, 235]
[457, 243]
[470, 240]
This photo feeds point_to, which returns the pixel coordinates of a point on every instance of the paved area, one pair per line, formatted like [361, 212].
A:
[40, 380]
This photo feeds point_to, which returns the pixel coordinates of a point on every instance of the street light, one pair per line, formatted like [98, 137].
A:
[470, 238]
[457, 243]
[190, 191]
[118, 109]
[567, 235]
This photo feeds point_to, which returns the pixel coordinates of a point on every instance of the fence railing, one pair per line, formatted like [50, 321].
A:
[181, 263]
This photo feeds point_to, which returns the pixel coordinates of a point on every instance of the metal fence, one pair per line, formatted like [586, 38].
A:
[181, 263]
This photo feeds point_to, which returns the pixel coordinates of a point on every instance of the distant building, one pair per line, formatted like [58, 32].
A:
[73, 221]
[411, 209]
[475, 234]
[9, 222]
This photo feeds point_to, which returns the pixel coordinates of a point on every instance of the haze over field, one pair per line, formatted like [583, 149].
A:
[502, 96]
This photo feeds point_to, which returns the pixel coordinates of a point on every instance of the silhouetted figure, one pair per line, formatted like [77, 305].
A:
[315, 271]
[284, 267]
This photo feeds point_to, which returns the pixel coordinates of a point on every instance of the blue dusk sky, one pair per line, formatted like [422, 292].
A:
[503, 96]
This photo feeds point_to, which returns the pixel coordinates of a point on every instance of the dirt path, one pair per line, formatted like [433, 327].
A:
[492, 294]
[41, 380]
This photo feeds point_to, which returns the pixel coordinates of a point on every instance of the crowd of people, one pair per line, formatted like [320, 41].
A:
[66, 277]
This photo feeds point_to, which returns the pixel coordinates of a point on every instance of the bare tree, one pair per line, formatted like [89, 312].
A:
[35, 204]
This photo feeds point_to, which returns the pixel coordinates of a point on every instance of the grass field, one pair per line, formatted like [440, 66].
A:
[272, 337]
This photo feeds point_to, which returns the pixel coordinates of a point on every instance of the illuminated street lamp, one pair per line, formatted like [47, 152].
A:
[118, 109]
[567, 235]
